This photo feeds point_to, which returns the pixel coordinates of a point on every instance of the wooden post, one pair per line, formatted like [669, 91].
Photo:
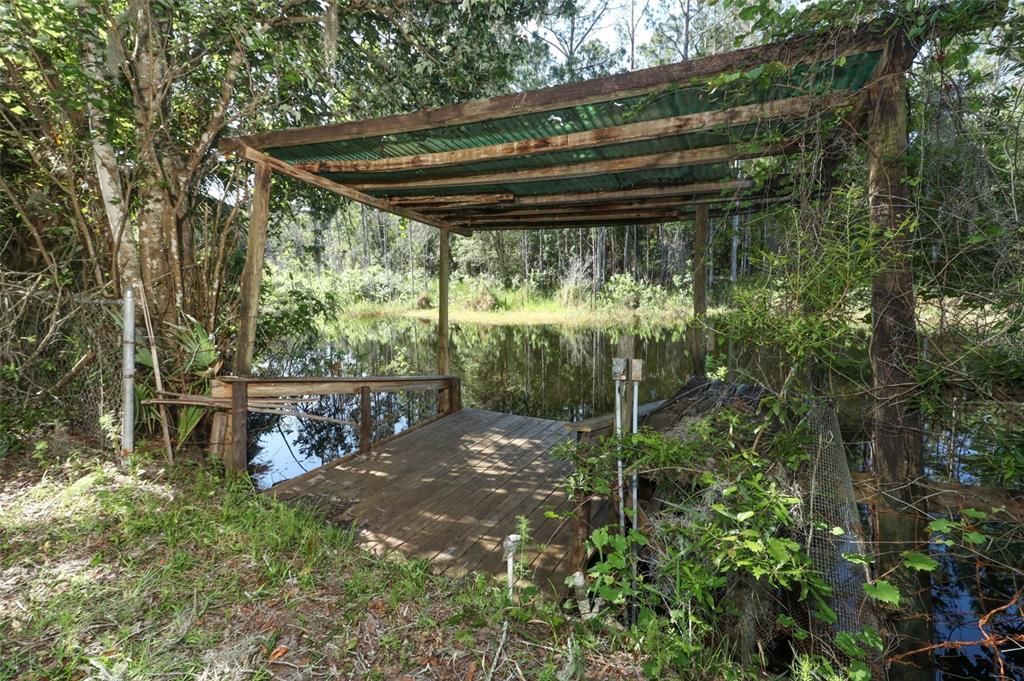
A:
[238, 460]
[252, 273]
[454, 395]
[698, 344]
[442, 304]
[897, 437]
[365, 420]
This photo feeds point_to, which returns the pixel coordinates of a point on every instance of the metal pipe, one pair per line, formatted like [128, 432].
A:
[128, 371]
[635, 482]
[618, 463]
[510, 545]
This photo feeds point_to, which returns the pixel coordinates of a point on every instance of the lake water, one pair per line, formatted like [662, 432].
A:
[565, 373]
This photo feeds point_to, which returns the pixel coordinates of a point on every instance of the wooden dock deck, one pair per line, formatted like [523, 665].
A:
[451, 491]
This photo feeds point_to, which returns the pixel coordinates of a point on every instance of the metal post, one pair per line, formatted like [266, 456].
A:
[620, 371]
[128, 371]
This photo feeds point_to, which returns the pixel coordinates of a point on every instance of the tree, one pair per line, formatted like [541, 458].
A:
[109, 113]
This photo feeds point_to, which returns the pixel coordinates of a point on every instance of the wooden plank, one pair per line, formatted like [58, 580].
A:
[474, 217]
[239, 459]
[480, 517]
[472, 505]
[791, 107]
[371, 381]
[446, 492]
[794, 51]
[252, 271]
[665, 159]
[428, 203]
[578, 224]
[448, 469]
[543, 478]
[576, 217]
[342, 190]
[606, 420]
[280, 388]
[553, 534]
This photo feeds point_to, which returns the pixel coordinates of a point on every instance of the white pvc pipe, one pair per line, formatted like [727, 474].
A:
[128, 371]
[510, 545]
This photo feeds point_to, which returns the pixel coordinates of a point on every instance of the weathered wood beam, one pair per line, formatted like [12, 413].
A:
[438, 202]
[792, 107]
[348, 192]
[577, 217]
[252, 271]
[692, 72]
[444, 256]
[577, 224]
[424, 203]
[698, 335]
[668, 159]
[472, 216]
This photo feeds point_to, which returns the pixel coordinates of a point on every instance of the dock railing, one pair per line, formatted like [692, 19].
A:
[236, 396]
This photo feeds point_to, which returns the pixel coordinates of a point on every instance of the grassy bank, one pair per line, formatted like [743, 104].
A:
[113, 569]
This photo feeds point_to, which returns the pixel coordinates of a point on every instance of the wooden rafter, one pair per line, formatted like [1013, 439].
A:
[687, 73]
[441, 202]
[668, 159]
[573, 222]
[515, 211]
[791, 107]
[284, 168]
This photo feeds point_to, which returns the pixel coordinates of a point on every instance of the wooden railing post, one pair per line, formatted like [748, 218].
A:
[365, 420]
[454, 395]
[238, 460]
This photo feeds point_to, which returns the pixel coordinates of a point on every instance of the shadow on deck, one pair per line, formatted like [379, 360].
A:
[450, 492]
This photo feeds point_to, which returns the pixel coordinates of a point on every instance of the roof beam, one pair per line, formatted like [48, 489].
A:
[668, 159]
[791, 107]
[342, 190]
[440, 202]
[569, 209]
[634, 217]
[682, 74]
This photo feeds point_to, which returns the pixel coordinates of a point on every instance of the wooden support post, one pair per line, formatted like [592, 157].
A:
[365, 421]
[454, 395]
[442, 303]
[581, 532]
[897, 437]
[252, 273]
[238, 460]
[698, 341]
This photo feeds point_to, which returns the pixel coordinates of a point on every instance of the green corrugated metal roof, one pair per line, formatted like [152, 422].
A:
[762, 84]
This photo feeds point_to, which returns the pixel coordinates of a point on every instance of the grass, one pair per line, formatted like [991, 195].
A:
[117, 569]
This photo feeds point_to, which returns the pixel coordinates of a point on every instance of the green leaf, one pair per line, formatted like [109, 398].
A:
[744, 515]
[837, 531]
[974, 513]
[883, 591]
[858, 558]
[975, 538]
[943, 525]
[919, 561]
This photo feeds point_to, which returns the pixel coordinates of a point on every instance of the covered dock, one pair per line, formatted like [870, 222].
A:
[671, 143]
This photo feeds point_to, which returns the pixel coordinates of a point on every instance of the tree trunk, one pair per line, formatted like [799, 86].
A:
[897, 435]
